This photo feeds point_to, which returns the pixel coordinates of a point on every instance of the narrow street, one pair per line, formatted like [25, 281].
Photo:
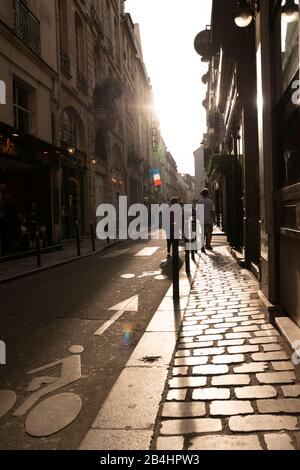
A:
[43, 315]
[124, 122]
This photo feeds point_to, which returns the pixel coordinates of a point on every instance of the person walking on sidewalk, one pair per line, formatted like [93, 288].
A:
[209, 219]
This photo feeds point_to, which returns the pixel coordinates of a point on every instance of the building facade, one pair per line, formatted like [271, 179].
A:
[77, 123]
[29, 67]
[200, 175]
[252, 154]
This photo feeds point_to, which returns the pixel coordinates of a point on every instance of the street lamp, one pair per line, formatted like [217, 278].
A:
[290, 11]
[244, 14]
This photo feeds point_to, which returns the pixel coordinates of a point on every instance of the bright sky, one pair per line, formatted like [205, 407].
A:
[168, 29]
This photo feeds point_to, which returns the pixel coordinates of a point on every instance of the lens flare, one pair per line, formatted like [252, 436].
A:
[127, 334]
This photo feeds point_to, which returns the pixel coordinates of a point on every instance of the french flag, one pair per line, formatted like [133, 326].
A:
[157, 180]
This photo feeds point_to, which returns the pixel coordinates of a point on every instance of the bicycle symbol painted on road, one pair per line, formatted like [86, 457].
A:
[56, 412]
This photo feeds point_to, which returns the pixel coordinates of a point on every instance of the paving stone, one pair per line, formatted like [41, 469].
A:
[272, 347]
[237, 335]
[278, 441]
[266, 340]
[268, 326]
[182, 353]
[208, 394]
[237, 319]
[189, 322]
[276, 377]
[194, 330]
[217, 331]
[224, 315]
[253, 322]
[195, 344]
[170, 443]
[231, 342]
[231, 407]
[256, 392]
[226, 325]
[177, 394]
[282, 366]
[292, 391]
[266, 333]
[191, 361]
[242, 349]
[262, 423]
[212, 322]
[184, 410]
[229, 359]
[179, 371]
[209, 338]
[258, 316]
[251, 368]
[241, 329]
[211, 370]
[190, 426]
[209, 351]
[184, 382]
[225, 443]
[228, 310]
[286, 405]
[231, 379]
[271, 356]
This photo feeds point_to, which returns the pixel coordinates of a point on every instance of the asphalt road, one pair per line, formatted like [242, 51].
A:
[42, 316]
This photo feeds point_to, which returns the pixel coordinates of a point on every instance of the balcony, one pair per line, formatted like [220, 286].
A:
[27, 26]
[82, 82]
[65, 64]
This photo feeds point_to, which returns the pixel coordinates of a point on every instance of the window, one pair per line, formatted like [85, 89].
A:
[79, 33]
[290, 151]
[285, 51]
[21, 107]
[69, 130]
[63, 25]
[289, 51]
[117, 158]
[100, 147]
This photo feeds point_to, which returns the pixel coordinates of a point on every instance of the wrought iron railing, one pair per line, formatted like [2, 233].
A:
[27, 26]
[82, 82]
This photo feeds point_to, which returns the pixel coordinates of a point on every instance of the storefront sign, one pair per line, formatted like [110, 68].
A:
[7, 147]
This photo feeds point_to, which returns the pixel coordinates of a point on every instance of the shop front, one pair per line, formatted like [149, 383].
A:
[27, 166]
[73, 177]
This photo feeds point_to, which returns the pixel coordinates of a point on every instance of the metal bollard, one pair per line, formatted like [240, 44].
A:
[187, 260]
[38, 249]
[175, 269]
[93, 238]
[78, 238]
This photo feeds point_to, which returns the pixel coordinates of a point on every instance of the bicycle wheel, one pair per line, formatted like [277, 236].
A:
[53, 414]
[7, 400]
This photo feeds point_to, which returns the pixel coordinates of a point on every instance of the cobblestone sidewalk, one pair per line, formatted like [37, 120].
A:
[232, 384]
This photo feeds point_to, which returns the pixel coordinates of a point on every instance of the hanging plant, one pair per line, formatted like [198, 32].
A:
[107, 91]
[217, 166]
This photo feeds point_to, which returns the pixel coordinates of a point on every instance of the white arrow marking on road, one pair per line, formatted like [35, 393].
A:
[129, 305]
